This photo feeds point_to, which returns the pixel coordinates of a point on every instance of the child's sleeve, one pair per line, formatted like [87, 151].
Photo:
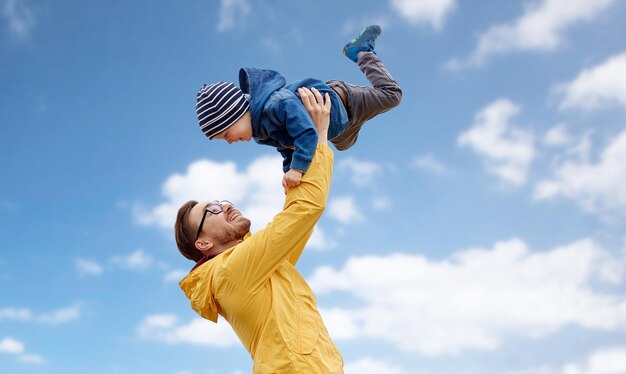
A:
[299, 125]
[286, 153]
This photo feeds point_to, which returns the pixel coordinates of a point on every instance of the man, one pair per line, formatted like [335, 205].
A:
[251, 281]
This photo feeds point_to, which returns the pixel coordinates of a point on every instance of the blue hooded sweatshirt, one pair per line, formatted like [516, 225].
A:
[279, 118]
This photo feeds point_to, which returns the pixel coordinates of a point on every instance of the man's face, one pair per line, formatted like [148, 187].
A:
[220, 228]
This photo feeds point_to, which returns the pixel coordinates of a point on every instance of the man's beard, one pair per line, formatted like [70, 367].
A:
[240, 228]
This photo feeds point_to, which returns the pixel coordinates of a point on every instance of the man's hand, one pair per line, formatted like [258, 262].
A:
[291, 178]
[319, 109]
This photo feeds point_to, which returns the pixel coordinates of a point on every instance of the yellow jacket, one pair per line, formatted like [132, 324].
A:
[256, 288]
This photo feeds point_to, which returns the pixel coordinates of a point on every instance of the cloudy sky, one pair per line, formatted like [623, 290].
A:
[480, 227]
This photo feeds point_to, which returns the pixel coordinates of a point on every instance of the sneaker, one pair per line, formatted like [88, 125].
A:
[365, 42]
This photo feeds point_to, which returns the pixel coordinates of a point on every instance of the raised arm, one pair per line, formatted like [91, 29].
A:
[253, 261]
[319, 110]
[299, 126]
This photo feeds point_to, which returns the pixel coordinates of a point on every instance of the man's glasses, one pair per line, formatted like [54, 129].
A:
[215, 208]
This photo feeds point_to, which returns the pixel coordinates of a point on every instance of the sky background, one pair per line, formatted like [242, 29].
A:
[479, 227]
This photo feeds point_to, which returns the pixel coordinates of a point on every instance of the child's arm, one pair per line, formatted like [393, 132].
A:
[300, 127]
[286, 153]
[292, 177]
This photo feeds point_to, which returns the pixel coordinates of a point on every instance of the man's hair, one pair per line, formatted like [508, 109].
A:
[185, 235]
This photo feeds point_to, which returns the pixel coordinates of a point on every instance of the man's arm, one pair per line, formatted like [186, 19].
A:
[254, 260]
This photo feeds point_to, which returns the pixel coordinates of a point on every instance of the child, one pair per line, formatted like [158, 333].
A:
[269, 111]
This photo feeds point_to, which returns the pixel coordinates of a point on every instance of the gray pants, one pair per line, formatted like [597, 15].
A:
[363, 103]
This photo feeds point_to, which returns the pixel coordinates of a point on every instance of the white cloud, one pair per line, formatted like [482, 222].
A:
[433, 12]
[166, 328]
[232, 13]
[344, 210]
[174, 276]
[256, 191]
[19, 18]
[429, 163]
[381, 203]
[597, 187]
[610, 360]
[18, 314]
[582, 148]
[476, 297]
[606, 361]
[540, 28]
[32, 359]
[9, 345]
[597, 87]
[60, 316]
[362, 173]
[87, 267]
[320, 240]
[340, 322]
[54, 317]
[137, 260]
[371, 366]
[506, 149]
[15, 347]
[557, 136]
[544, 369]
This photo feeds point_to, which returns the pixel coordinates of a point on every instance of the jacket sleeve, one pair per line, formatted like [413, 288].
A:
[286, 153]
[252, 262]
[299, 126]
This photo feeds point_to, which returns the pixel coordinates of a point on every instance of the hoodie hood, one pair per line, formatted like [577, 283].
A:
[260, 84]
[197, 287]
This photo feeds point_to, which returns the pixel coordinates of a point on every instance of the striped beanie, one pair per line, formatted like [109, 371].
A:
[219, 106]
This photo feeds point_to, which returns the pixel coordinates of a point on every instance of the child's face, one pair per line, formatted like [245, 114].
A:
[240, 131]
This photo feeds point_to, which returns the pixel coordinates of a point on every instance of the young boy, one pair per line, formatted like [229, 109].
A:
[269, 111]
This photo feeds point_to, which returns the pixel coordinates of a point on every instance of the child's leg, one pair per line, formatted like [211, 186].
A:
[367, 102]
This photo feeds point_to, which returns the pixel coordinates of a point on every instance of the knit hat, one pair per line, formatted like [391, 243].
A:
[219, 106]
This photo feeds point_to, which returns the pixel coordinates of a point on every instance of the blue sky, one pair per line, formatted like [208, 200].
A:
[477, 228]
